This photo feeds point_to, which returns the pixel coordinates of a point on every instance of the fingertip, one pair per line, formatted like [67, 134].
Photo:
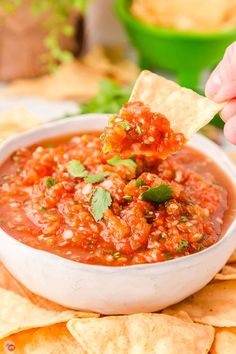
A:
[213, 85]
[230, 130]
[228, 111]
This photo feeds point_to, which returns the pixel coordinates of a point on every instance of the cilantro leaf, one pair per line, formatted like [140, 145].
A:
[116, 160]
[109, 99]
[182, 245]
[99, 177]
[50, 182]
[183, 219]
[76, 169]
[158, 195]
[129, 198]
[138, 130]
[125, 125]
[100, 203]
[140, 182]
[167, 255]
[116, 255]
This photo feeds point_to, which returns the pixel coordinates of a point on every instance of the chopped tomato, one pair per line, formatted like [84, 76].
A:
[136, 130]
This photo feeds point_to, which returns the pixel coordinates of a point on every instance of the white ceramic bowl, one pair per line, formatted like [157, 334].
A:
[112, 290]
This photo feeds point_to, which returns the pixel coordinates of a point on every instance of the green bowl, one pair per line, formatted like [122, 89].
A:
[187, 54]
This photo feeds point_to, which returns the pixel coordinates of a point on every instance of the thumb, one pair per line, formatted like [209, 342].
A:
[221, 86]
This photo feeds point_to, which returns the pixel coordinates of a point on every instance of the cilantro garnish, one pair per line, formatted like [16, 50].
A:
[163, 236]
[102, 136]
[50, 182]
[199, 248]
[99, 177]
[149, 216]
[158, 195]
[125, 125]
[182, 245]
[183, 219]
[116, 160]
[109, 99]
[138, 130]
[43, 209]
[76, 169]
[129, 198]
[106, 148]
[100, 203]
[167, 255]
[116, 255]
[140, 182]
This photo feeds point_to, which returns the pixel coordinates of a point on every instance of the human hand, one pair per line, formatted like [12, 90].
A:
[221, 86]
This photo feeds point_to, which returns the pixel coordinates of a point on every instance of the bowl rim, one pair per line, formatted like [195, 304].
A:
[122, 10]
[169, 263]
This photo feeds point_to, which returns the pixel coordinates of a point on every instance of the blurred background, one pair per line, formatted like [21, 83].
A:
[59, 58]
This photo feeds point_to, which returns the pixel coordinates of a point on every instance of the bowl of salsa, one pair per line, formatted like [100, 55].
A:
[113, 234]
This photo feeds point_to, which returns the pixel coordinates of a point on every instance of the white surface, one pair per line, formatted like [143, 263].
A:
[112, 290]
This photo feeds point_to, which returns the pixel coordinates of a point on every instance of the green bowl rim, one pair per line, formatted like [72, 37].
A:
[122, 10]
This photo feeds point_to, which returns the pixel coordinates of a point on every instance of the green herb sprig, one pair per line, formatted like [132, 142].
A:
[101, 201]
[50, 182]
[110, 99]
[77, 169]
[99, 177]
[117, 160]
[56, 24]
[158, 195]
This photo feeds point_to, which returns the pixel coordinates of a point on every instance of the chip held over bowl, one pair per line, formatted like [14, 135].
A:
[186, 110]
[158, 119]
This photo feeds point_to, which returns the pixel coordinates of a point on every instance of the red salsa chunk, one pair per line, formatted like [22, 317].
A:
[139, 131]
[66, 198]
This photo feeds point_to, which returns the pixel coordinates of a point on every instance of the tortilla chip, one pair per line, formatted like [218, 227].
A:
[141, 333]
[213, 305]
[72, 80]
[227, 273]
[16, 120]
[18, 314]
[197, 15]
[121, 70]
[185, 109]
[78, 79]
[179, 314]
[232, 258]
[225, 341]
[54, 339]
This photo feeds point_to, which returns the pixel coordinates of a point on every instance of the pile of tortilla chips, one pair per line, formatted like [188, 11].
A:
[16, 120]
[203, 323]
[78, 79]
[187, 15]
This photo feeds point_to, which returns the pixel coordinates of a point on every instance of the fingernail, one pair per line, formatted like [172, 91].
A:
[213, 85]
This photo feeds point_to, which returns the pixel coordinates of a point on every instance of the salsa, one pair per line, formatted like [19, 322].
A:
[67, 198]
[139, 131]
